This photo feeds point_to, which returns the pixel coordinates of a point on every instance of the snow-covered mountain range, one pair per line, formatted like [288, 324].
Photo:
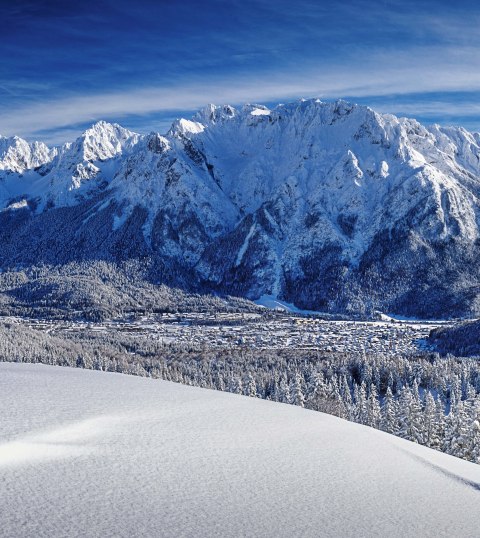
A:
[330, 206]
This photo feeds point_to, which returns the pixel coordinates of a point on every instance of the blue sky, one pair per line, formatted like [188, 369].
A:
[142, 63]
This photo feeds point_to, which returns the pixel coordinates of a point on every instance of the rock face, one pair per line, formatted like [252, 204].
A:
[331, 206]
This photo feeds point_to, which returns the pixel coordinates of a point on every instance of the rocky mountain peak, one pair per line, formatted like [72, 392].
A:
[329, 205]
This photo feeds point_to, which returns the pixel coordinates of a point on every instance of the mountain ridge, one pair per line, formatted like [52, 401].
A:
[330, 206]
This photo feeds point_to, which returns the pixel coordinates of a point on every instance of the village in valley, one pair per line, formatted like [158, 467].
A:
[270, 330]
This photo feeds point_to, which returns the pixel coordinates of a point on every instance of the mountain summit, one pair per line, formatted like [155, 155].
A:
[330, 206]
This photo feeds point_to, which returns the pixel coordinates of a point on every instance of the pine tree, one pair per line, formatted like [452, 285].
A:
[388, 420]
[474, 441]
[457, 432]
[346, 397]
[409, 416]
[250, 387]
[334, 403]
[317, 392]
[373, 409]
[472, 448]
[430, 427]
[440, 420]
[455, 392]
[361, 413]
[235, 385]
[297, 397]
[284, 393]
[219, 382]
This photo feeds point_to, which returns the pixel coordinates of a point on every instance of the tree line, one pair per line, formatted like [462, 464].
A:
[425, 398]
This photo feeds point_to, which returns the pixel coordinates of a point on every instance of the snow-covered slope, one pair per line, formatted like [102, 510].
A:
[62, 176]
[85, 453]
[462, 339]
[17, 155]
[329, 206]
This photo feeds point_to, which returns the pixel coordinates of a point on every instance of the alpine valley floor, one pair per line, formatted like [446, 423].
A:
[86, 453]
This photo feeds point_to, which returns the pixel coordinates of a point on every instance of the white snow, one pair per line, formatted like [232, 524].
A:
[119, 221]
[329, 160]
[187, 127]
[244, 247]
[86, 453]
[18, 205]
[260, 112]
[69, 170]
[272, 302]
[17, 155]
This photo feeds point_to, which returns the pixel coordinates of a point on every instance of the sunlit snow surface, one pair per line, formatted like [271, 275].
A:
[87, 453]
[270, 301]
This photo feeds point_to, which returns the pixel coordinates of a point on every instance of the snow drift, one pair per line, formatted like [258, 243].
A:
[99, 454]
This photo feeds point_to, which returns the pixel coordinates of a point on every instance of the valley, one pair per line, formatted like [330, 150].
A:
[238, 330]
[387, 374]
[166, 256]
[239, 269]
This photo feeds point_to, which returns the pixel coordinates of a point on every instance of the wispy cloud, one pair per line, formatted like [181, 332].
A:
[142, 62]
[382, 75]
[433, 108]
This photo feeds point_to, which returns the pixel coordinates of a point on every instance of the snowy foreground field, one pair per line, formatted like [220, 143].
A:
[87, 453]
